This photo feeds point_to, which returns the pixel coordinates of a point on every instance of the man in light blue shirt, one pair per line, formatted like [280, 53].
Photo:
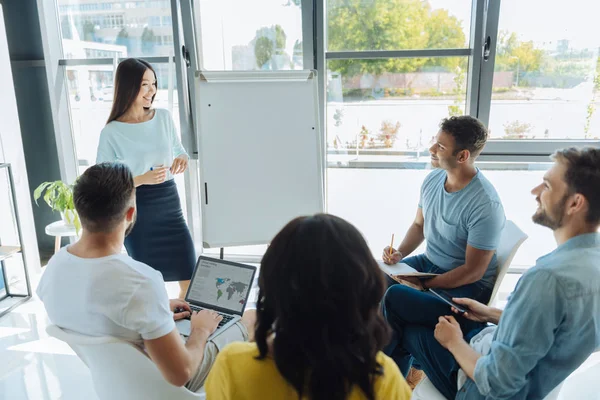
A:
[461, 218]
[551, 323]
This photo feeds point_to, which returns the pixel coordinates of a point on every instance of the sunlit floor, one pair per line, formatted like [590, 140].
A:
[37, 367]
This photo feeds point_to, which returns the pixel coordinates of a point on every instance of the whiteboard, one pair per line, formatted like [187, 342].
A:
[260, 153]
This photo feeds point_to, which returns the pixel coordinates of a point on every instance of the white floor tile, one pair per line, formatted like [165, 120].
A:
[35, 366]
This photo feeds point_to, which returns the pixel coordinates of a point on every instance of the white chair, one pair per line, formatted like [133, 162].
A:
[121, 371]
[583, 383]
[426, 391]
[511, 238]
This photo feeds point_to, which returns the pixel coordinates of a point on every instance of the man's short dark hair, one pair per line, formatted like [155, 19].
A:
[102, 196]
[468, 133]
[583, 176]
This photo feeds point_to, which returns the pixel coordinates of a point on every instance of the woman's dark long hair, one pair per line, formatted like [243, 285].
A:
[319, 294]
[128, 82]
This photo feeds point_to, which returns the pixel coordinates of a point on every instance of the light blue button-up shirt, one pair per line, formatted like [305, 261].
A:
[550, 326]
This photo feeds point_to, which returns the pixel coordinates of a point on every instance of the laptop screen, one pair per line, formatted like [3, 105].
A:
[221, 285]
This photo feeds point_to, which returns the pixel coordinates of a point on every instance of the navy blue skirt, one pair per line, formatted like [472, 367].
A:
[160, 237]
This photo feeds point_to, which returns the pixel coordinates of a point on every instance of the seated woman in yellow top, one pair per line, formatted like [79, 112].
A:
[319, 331]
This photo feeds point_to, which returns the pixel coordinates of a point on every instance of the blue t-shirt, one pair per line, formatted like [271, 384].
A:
[143, 145]
[472, 216]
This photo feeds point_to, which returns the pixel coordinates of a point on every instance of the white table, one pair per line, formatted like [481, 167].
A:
[60, 229]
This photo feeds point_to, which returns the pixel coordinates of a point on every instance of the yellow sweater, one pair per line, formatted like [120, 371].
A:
[238, 375]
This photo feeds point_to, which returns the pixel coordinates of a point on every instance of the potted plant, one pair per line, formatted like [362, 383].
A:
[59, 197]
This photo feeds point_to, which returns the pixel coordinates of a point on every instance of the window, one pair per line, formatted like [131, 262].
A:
[96, 31]
[259, 35]
[547, 72]
[391, 104]
[103, 31]
[397, 24]
[395, 68]
[100, 23]
[382, 100]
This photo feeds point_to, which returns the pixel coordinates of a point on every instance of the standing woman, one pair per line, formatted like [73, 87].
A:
[144, 138]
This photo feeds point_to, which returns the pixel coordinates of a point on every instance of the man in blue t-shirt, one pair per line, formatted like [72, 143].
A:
[461, 218]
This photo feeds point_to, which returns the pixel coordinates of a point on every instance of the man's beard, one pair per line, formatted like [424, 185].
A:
[130, 227]
[554, 221]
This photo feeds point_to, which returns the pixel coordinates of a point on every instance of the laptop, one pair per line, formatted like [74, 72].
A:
[219, 285]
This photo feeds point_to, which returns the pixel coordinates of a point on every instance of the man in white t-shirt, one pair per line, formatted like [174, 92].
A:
[93, 289]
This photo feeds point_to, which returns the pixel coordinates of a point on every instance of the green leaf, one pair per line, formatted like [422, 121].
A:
[48, 196]
[58, 195]
[38, 191]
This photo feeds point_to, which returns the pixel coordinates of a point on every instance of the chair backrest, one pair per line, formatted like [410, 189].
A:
[426, 391]
[510, 240]
[120, 370]
[583, 383]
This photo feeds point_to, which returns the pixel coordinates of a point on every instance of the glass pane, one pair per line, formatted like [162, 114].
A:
[11, 269]
[108, 28]
[14, 269]
[397, 24]
[547, 72]
[9, 235]
[258, 35]
[391, 107]
[2, 285]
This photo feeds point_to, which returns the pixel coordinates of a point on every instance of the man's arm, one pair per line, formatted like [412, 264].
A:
[414, 236]
[476, 263]
[178, 362]
[466, 357]
[524, 336]
[449, 334]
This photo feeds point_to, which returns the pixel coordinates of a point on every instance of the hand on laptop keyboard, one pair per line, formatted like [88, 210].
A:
[205, 320]
[226, 319]
[181, 313]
